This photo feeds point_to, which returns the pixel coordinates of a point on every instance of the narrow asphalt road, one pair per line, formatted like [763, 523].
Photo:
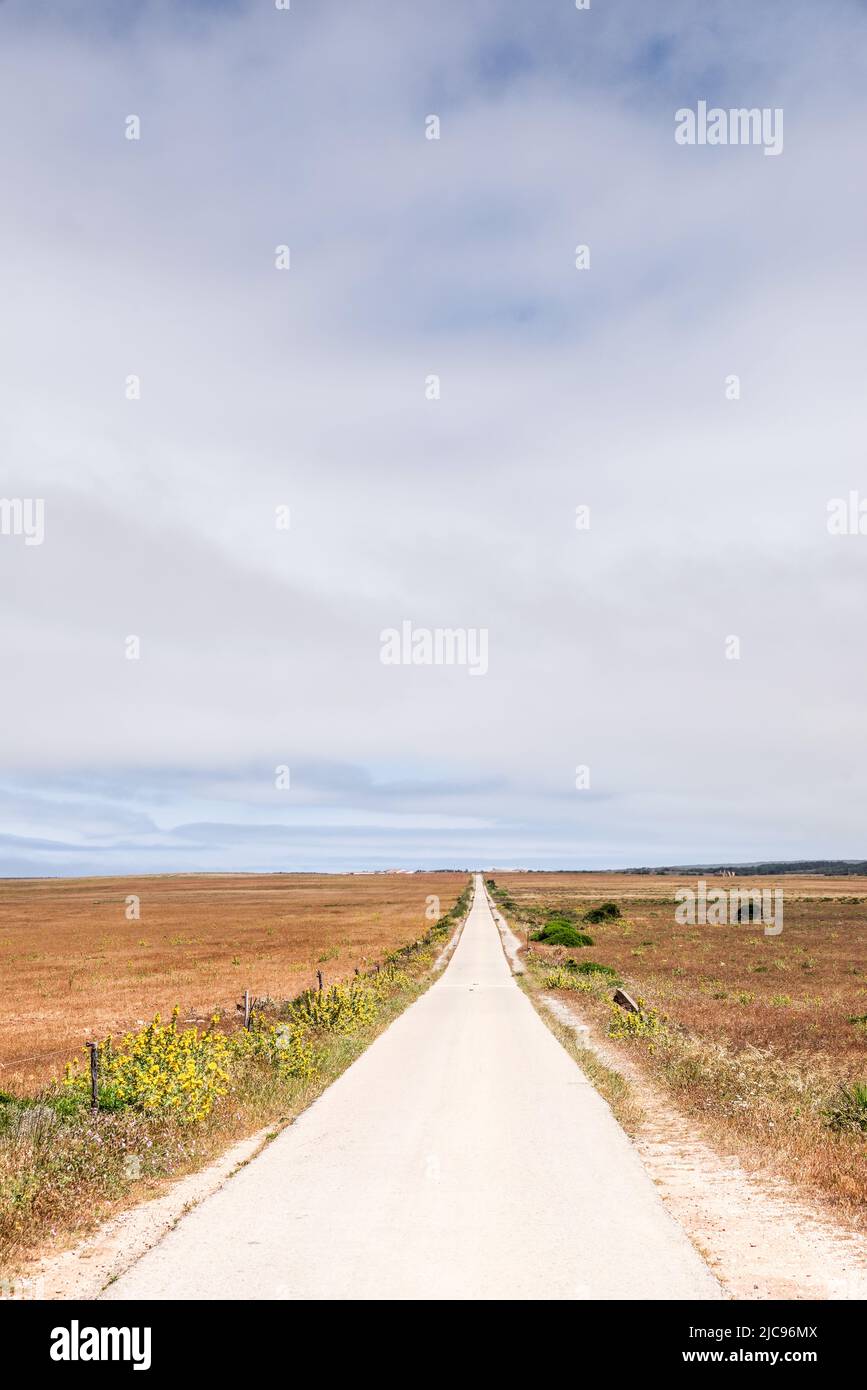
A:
[464, 1156]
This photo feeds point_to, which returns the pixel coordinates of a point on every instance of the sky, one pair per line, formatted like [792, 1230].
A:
[309, 388]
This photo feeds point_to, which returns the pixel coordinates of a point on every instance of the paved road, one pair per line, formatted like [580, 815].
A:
[464, 1155]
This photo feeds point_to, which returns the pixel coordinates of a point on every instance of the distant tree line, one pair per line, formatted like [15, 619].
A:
[831, 868]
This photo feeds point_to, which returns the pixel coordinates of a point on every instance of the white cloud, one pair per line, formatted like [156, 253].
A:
[307, 388]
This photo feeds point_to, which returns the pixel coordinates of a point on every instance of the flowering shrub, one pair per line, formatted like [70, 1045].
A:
[385, 981]
[338, 1009]
[164, 1068]
[344, 1007]
[159, 1068]
[623, 1024]
[282, 1045]
[566, 979]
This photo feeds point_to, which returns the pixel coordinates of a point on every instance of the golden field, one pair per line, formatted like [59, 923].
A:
[73, 967]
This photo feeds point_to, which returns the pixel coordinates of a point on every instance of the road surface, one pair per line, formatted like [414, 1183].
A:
[463, 1156]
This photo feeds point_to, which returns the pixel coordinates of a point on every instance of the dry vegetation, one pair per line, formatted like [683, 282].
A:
[760, 1032]
[173, 1097]
[72, 966]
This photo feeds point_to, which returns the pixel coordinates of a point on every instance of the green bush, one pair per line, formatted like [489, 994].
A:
[590, 967]
[562, 933]
[606, 912]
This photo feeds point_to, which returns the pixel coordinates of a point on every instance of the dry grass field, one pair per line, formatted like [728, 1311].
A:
[760, 1032]
[794, 992]
[73, 967]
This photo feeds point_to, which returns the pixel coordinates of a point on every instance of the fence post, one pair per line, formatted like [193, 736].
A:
[319, 978]
[248, 1013]
[94, 1075]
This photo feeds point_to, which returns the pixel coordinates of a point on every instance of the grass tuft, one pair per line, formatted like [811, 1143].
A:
[847, 1112]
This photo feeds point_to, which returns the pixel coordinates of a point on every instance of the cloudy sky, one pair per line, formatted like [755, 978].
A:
[306, 388]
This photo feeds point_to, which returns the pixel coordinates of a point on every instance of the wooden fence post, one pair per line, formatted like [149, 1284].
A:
[248, 1012]
[319, 978]
[94, 1075]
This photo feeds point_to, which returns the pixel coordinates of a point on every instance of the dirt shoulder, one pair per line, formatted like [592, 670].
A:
[760, 1237]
